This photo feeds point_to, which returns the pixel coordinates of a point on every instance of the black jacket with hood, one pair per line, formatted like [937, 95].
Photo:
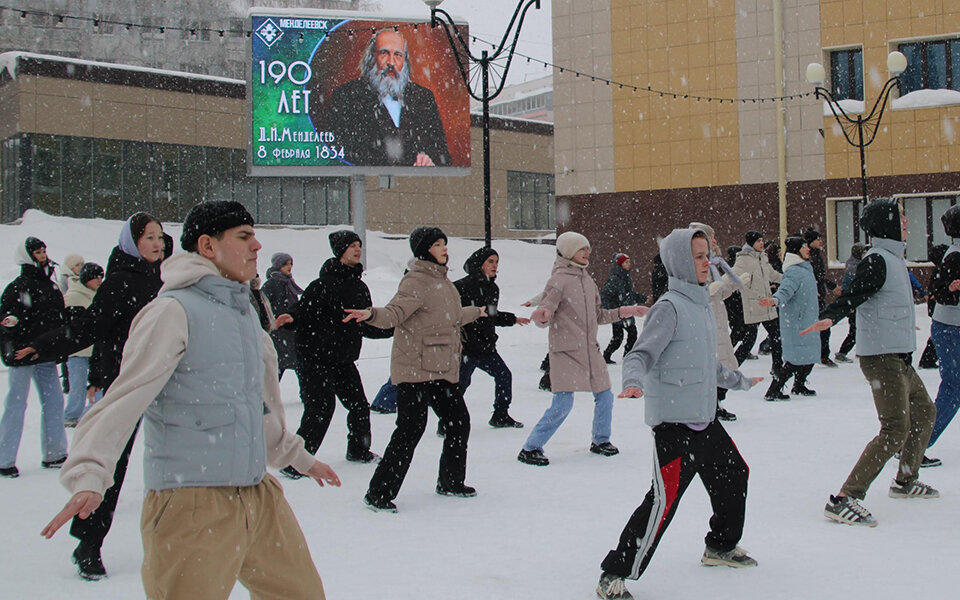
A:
[35, 300]
[618, 290]
[476, 289]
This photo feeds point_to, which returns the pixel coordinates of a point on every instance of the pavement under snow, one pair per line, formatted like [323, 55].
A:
[531, 532]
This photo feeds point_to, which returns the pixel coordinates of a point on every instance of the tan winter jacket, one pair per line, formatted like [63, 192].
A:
[427, 317]
[158, 338]
[79, 295]
[720, 291]
[755, 271]
[576, 364]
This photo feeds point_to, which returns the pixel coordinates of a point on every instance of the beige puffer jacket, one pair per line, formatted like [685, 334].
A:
[755, 271]
[427, 317]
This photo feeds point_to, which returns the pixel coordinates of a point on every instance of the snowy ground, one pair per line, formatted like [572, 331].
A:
[531, 532]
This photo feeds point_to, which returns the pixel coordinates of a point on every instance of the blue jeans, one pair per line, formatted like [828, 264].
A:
[386, 397]
[494, 366]
[558, 411]
[78, 367]
[54, 439]
[946, 339]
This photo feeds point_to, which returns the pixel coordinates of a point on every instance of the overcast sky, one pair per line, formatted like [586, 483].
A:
[488, 20]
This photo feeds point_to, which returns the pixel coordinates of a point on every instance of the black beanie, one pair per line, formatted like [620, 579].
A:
[881, 218]
[33, 244]
[794, 243]
[752, 237]
[811, 235]
[210, 218]
[476, 260]
[951, 221]
[422, 238]
[341, 240]
[90, 271]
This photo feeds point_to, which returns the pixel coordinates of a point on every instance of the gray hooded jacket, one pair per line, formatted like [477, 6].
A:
[674, 360]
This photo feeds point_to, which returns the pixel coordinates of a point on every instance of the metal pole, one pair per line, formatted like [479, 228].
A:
[863, 159]
[358, 206]
[485, 68]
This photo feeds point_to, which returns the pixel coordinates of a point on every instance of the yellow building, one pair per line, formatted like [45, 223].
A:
[708, 117]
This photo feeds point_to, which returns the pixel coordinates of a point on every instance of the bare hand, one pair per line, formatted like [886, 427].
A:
[527, 303]
[8, 321]
[542, 315]
[755, 380]
[358, 315]
[81, 505]
[523, 321]
[423, 160]
[25, 352]
[821, 325]
[955, 285]
[633, 311]
[630, 392]
[767, 302]
[321, 472]
[92, 394]
[282, 320]
[483, 311]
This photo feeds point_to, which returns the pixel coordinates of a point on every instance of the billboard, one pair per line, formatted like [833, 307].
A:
[334, 93]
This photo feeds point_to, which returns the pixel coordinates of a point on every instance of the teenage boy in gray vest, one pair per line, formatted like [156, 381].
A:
[674, 366]
[202, 374]
[886, 339]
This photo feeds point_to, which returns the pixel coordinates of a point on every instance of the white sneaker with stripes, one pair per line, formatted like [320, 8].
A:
[845, 509]
[912, 489]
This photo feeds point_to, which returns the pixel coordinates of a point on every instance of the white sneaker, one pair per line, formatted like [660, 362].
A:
[613, 587]
[731, 558]
[913, 489]
[846, 510]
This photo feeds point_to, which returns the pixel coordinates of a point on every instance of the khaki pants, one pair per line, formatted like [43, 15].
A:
[906, 416]
[198, 541]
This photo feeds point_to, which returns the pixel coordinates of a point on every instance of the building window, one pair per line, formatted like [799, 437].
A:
[924, 228]
[931, 65]
[531, 198]
[846, 74]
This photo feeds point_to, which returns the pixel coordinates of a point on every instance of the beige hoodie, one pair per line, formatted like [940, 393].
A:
[158, 338]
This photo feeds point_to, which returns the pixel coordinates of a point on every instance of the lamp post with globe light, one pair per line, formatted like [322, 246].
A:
[486, 59]
[896, 64]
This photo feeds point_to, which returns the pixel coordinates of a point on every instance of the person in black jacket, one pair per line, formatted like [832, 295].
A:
[132, 280]
[479, 338]
[31, 305]
[815, 243]
[616, 292]
[658, 278]
[328, 349]
[282, 293]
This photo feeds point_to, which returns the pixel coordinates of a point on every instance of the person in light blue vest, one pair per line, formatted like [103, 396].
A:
[796, 301]
[203, 375]
[674, 366]
[945, 329]
[886, 340]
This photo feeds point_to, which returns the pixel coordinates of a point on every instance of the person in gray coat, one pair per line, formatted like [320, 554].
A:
[674, 365]
[796, 301]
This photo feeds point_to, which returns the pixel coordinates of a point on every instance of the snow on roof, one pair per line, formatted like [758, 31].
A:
[926, 99]
[10, 60]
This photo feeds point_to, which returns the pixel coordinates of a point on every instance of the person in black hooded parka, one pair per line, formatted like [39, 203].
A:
[328, 349]
[479, 338]
[132, 280]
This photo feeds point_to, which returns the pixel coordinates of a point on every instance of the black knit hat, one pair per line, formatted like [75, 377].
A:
[90, 271]
[951, 221]
[210, 218]
[881, 218]
[752, 236]
[476, 260]
[341, 240]
[33, 244]
[422, 238]
[811, 235]
[794, 243]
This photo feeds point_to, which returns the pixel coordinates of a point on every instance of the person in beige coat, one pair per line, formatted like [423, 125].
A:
[570, 307]
[753, 268]
[722, 283]
[425, 366]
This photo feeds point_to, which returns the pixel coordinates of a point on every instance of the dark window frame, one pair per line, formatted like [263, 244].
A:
[923, 49]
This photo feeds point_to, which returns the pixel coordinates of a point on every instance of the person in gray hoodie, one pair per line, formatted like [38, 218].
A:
[674, 366]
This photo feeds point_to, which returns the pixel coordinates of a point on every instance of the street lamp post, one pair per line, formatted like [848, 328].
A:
[896, 64]
[485, 60]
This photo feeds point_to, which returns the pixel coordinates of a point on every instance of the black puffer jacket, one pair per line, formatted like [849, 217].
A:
[476, 289]
[281, 298]
[35, 300]
[618, 290]
[129, 285]
[320, 333]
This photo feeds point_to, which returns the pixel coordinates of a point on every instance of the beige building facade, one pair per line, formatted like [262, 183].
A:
[674, 111]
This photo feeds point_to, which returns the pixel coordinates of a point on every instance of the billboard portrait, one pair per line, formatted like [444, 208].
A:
[335, 94]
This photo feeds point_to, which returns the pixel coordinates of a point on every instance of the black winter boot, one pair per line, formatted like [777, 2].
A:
[89, 564]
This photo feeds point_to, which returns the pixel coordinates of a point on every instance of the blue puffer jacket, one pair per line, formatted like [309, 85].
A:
[797, 302]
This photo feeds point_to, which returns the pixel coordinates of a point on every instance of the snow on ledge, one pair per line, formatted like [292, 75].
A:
[926, 99]
[849, 106]
[10, 60]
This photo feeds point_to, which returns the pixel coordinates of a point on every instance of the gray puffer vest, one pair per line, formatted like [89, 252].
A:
[205, 428]
[886, 322]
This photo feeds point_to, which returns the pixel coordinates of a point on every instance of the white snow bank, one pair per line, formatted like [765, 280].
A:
[849, 106]
[926, 99]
